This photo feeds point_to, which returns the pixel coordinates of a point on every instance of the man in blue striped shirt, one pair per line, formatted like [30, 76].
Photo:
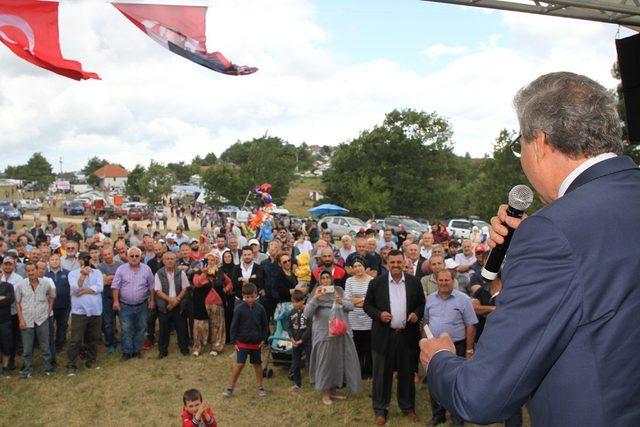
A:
[86, 288]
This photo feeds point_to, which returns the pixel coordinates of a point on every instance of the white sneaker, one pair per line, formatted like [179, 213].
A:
[195, 353]
[213, 353]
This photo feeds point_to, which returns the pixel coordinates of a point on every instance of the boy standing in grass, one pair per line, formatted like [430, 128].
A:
[300, 333]
[249, 330]
[196, 413]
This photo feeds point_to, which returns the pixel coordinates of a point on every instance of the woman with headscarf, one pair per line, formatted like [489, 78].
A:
[228, 299]
[216, 284]
[334, 360]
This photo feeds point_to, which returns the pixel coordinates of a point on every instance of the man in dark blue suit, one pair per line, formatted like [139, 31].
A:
[564, 336]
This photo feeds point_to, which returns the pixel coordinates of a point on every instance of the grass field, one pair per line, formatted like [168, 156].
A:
[298, 201]
[148, 392]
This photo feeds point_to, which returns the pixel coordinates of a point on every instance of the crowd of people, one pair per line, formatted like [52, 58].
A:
[354, 304]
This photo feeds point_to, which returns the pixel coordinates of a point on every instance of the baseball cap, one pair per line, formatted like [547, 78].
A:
[8, 260]
[194, 240]
[254, 242]
[450, 264]
[170, 236]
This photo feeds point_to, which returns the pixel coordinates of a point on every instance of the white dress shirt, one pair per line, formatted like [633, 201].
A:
[581, 168]
[398, 303]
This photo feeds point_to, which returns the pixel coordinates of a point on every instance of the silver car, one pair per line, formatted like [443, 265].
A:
[338, 226]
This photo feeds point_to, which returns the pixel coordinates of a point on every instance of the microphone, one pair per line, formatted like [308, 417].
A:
[520, 198]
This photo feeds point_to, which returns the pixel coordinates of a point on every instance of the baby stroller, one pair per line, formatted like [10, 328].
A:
[280, 342]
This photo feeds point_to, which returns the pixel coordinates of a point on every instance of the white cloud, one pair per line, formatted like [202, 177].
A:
[437, 50]
[153, 104]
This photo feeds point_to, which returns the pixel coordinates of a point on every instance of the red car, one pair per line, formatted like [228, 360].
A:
[135, 214]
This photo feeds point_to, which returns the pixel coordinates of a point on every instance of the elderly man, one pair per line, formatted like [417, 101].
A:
[386, 240]
[171, 298]
[426, 245]
[371, 264]
[69, 262]
[430, 282]
[86, 287]
[108, 268]
[413, 255]
[258, 257]
[34, 303]
[395, 303]
[346, 249]
[133, 288]
[561, 338]
[450, 311]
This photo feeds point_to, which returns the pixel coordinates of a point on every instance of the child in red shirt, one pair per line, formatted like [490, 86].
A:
[195, 413]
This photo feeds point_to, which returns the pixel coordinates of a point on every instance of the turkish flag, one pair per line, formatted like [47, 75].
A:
[181, 29]
[30, 29]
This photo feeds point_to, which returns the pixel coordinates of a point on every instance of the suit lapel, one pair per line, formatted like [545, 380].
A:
[406, 291]
[384, 293]
[603, 168]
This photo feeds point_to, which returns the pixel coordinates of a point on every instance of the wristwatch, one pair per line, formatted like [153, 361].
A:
[469, 351]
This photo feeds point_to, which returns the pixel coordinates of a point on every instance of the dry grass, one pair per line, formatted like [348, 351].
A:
[298, 198]
[148, 392]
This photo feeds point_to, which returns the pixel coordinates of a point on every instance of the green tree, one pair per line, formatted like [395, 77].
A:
[411, 153]
[93, 165]
[499, 175]
[37, 170]
[183, 171]
[224, 184]
[370, 197]
[156, 181]
[265, 159]
[132, 187]
[304, 157]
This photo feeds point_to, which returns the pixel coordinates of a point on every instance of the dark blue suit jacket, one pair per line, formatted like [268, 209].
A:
[565, 336]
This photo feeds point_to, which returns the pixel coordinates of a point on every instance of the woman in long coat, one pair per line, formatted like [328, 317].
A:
[334, 360]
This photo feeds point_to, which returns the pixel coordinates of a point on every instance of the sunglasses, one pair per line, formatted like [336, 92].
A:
[285, 261]
[134, 256]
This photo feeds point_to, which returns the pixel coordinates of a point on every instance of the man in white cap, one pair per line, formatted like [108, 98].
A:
[258, 256]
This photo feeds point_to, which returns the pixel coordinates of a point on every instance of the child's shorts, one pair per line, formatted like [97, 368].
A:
[255, 356]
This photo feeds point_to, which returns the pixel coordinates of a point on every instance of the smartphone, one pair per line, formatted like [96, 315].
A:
[329, 289]
[427, 331]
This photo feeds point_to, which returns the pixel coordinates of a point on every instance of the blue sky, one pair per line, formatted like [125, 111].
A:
[329, 69]
[397, 30]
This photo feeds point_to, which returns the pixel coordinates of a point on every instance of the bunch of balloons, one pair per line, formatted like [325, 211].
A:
[263, 193]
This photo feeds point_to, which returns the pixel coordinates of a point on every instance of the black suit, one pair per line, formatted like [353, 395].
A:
[394, 349]
[419, 274]
[256, 277]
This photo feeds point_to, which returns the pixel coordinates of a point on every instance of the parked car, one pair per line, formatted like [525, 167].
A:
[461, 227]
[9, 212]
[76, 207]
[27, 204]
[136, 214]
[410, 225]
[338, 226]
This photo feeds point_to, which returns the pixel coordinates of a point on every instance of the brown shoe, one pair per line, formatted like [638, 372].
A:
[411, 416]
[380, 420]
[147, 345]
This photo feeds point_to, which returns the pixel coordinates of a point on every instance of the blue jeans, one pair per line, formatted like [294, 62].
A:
[108, 318]
[28, 337]
[133, 320]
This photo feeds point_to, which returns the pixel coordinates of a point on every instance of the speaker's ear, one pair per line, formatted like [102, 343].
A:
[629, 64]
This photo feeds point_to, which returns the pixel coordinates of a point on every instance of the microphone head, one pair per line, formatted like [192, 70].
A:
[520, 197]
